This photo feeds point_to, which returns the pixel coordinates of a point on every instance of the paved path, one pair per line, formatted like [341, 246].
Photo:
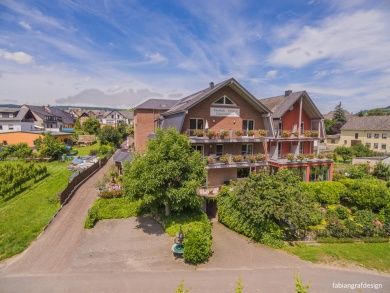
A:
[133, 255]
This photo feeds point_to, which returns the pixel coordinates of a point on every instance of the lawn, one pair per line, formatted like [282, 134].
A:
[84, 150]
[23, 217]
[369, 255]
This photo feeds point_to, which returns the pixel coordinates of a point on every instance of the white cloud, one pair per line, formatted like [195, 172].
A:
[271, 74]
[18, 57]
[156, 58]
[25, 25]
[360, 41]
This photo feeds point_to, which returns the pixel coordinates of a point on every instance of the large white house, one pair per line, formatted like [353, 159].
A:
[16, 119]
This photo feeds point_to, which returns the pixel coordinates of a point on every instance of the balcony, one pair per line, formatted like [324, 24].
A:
[290, 135]
[211, 136]
[235, 161]
[303, 159]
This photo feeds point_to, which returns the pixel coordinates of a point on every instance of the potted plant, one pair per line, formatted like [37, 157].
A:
[329, 156]
[199, 132]
[251, 132]
[262, 132]
[321, 156]
[238, 133]
[260, 157]
[314, 133]
[211, 134]
[210, 160]
[224, 158]
[223, 134]
[307, 133]
[238, 158]
[295, 133]
[286, 133]
[310, 156]
[252, 158]
[290, 157]
[300, 157]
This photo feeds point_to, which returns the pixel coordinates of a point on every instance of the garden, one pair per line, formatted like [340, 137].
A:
[281, 211]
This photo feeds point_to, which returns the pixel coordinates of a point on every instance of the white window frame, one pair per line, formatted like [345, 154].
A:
[10, 127]
[224, 101]
[247, 148]
[247, 124]
[369, 135]
[195, 146]
[197, 123]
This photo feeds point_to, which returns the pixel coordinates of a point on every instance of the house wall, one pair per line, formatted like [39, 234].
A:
[26, 137]
[347, 137]
[290, 120]
[144, 125]
[202, 110]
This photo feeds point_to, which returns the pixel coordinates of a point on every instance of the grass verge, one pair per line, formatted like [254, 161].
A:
[112, 208]
[368, 255]
[23, 217]
[85, 150]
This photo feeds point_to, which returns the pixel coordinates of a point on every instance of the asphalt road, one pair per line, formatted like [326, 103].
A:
[133, 255]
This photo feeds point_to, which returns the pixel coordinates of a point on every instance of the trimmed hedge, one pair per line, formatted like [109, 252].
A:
[113, 208]
[325, 192]
[197, 235]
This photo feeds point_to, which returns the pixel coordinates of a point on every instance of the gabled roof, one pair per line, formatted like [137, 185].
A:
[367, 123]
[126, 114]
[20, 113]
[281, 104]
[43, 111]
[191, 100]
[156, 104]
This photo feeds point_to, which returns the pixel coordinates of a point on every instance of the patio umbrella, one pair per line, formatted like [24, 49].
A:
[206, 125]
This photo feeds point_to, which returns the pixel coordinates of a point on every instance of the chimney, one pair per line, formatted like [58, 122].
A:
[211, 85]
[287, 93]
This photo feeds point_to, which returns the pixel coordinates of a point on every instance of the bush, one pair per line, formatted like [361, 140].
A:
[342, 212]
[115, 208]
[336, 228]
[111, 193]
[369, 223]
[366, 193]
[325, 192]
[196, 228]
[20, 151]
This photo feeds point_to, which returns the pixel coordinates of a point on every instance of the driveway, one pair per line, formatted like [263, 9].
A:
[133, 255]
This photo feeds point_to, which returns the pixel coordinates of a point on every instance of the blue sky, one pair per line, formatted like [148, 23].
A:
[119, 53]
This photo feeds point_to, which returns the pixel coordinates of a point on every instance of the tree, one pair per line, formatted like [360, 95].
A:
[329, 126]
[345, 153]
[91, 126]
[110, 135]
[167, 175]
[382, 171]
[360, 150]
[339, 114]
[77, 125]
[49, 146]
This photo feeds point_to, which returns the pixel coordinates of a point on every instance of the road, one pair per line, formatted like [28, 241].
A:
[133, 255]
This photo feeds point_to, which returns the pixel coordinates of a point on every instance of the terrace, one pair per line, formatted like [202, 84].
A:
[207, 136]
[235, 161]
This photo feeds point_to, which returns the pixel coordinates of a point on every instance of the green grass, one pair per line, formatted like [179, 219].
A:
[23, 217]
[113, 208]
[187, 222]
[369, 255]
[84, 150]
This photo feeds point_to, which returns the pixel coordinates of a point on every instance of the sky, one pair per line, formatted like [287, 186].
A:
[120, 53]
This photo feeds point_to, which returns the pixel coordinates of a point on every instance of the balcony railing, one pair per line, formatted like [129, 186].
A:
[227, 134]
[304, 158]
[294, 134]
[214, 161]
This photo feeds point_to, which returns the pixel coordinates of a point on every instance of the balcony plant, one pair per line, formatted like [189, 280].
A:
[262, 132]
[251, 132]
[223, 134]
[295, 133]
[314, 133]
[300, 157]
[329, 156]
[307, 133]
[211, 134]
[286, 133]
[252, 158]
[238, 133]
[310, 156]
[321, 156]
[224, 158]
[238, 158]
[199, 132]
[260, 157]
[210, 160]
[290, 157]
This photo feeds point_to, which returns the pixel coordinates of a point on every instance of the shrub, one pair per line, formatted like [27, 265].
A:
[325, 192]
[336, 228]
[358, 171]
[111, 194]
[366, 193]
[382, 171]
[369, 223]
[342, 212]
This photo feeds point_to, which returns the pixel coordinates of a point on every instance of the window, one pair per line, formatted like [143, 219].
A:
[279, 150]
[345, 142]
[1, 127]
[376, 135]
[369, 135]
[375, 146]
[280, 127]
[11, 115]
[224, 100]
[10, 127]
[247, 149]
[302, 127]
[243, 172]
[301, 147]
[247, 125]
[356, 135]
[368, 145]
[196, 123]
[198, 148]
[383, 146]
[333, 141]
[219, 149]
[319, 173]
[384, 135]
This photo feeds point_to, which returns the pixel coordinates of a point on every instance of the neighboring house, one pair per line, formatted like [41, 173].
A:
[299, 128]
[51, 118]
[229, 108]
[372, 131]
[16, 119]
[332, 141]
[116, 117]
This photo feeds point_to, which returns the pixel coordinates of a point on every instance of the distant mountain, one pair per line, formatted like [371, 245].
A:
[375, 112]
[9, 106]
[66, 107]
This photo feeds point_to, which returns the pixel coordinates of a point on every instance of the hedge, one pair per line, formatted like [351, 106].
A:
[197, 235]
[113, 208]
[325, 192]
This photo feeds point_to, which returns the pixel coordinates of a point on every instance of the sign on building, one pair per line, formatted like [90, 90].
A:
[224, 112]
